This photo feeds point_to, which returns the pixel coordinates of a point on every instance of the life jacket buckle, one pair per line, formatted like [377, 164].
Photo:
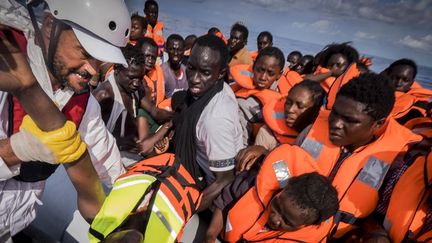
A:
[345, 217]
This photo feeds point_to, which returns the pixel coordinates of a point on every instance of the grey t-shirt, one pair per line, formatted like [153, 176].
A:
[218, 134]
[173, 83]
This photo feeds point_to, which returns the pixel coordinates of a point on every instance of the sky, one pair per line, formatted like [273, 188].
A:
[386, 28]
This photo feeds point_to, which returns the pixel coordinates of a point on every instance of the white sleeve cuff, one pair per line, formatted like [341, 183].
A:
[8, 172]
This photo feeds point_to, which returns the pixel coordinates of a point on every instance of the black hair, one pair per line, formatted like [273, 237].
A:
[133, 56]
[267, 34]
[309, 68]
[272, 52]
[150, 2]
[345, 49]
[213, 30]
[295, 53]
[141, 19]
[315, 88]
[217, 44]
[146, 41]
[404, 61]
[241, 28]
[175, 37]
[372, 90]
[314, 193]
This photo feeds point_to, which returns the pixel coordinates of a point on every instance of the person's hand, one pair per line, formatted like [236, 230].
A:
[15, 71]
[161, 146]
[62, 145]
[247, 157]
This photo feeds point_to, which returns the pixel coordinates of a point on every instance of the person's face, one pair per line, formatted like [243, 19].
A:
[130, 78]
[263, 42]
[337, 63]
[175, 51]
[151, 14]
[402, 77]
[298, 106]
[73, 66]
[293, 60]
[236, 41]
[150, 55]
[265, 71]
[203, 70]
[350, 125]
[302, 64]
[286, 215]
[137, 30]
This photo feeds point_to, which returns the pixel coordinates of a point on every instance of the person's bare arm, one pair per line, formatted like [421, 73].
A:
[320, 77]
[213, 190]
[18, 79]
[146, 146]
[160, 115]
[88, 186]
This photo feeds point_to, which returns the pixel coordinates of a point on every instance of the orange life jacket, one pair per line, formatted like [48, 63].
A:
[293, 78]
[156, 34]
[165, 104]
[242, 75]
[340, 81]
[328, 82]
[155, 81]
[222, 36]
[405, 102]
[421, 93]
[361, 174]
[254, 55]
[281, 164]
[409, 202]
[421, 125]
[274, 117]
[179, 186]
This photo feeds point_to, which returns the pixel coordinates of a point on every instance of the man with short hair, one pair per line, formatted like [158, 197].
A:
[174, 71]
[264, 39]
[237, 45]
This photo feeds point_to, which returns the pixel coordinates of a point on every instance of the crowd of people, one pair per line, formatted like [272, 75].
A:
[153, 132]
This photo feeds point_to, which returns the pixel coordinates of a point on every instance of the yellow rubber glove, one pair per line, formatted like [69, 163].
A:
[63, 145]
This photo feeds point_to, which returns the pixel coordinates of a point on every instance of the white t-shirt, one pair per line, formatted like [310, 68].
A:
[219, 134]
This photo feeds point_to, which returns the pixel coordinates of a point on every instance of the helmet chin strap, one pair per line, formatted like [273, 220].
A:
[57, 27]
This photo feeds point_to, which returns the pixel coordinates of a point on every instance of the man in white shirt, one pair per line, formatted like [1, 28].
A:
[210, 120]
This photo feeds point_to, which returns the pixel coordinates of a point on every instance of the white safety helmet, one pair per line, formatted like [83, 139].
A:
[101, 26]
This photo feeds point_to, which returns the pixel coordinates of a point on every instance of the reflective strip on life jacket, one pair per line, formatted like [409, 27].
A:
[242, 74]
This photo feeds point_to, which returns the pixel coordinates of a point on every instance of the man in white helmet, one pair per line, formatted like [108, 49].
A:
[71, 40]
